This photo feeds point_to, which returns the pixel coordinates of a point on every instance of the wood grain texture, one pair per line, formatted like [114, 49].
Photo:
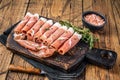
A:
[108, 39]
[7, 10]
[20, 8]
[12, 11]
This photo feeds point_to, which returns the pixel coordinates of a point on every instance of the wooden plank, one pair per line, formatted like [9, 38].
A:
[90, 69]
[33, 7]
[87, 6]
[11, 12]
[97, 72]
[114, 36]
[6, 20]
[108, 39]
[63, 9]
[4, 9]
[116, 6]
[76, 12]
[17, 60]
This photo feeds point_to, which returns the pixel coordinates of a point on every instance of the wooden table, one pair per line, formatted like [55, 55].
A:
[12, 11]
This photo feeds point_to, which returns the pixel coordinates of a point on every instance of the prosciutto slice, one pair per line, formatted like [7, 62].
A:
[43, 29]
[49, 32]
[70, 43]
[19, 36]
[44, 52]
[29, 45]
[23, 23]
[65, 36]
[42, 37]
[30, 23]
[55, 35]
[35, 28]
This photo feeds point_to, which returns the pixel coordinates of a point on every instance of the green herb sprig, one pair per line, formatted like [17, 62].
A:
[87, 36]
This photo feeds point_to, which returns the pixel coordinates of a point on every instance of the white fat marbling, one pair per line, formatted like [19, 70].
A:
[57, 24]
[29, 14]
[50, 22]
[71, 30]
[79, 35]
[64, 27]
[36, 15]
[43, 19]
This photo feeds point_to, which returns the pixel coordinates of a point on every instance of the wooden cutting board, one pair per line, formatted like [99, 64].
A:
[67, 62]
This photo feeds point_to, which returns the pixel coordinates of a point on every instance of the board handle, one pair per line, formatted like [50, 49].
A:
[101, 57]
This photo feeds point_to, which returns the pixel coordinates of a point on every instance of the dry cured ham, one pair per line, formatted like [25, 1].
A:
[30, 23]
[50, 31]
[19, 36]
[71, 42]
[55, 35]
[35, 28]
[42, 37]
[65, 36]
[22, 23]
[29, 45]
[43, 29]
[44, 52]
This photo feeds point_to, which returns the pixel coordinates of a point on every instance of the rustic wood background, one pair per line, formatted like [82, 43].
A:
[12, 11]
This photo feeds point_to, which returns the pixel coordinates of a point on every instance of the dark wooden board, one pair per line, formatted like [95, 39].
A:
[67, 62]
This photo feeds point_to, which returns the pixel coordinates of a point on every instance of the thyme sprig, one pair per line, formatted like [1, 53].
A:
[87, 36]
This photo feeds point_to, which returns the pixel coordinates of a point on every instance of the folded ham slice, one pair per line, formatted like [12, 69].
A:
[19, 36]
[43, 29]
[29, 45]
[70, 43]
[35, 28]
[44, 52]
[30, 23]
[51, 30]
[23, 23]
[65, 36]
[55, 35]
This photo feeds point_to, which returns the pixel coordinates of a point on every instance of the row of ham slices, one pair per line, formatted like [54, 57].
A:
[42, 37]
